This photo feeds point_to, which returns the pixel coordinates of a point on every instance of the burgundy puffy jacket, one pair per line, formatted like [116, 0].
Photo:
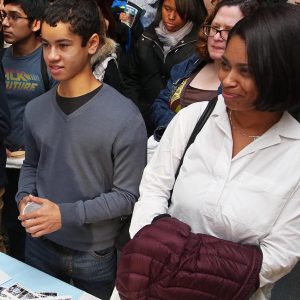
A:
[165, 260]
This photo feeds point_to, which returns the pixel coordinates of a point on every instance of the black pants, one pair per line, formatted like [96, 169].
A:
[16, 233]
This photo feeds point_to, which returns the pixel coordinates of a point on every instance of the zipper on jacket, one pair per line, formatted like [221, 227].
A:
[157, 44]
[176, 48]
[173, 49]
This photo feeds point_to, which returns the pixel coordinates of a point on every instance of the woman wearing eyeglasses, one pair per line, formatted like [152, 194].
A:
[239, 180]
[196, 79]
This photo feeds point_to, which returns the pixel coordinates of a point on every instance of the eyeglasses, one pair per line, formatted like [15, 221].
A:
[211, 31]
[11, 16]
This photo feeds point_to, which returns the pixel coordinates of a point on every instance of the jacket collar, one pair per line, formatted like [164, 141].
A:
[150, 33]
[107, 49]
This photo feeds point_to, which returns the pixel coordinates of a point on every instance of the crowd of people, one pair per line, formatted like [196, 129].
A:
[88, 87]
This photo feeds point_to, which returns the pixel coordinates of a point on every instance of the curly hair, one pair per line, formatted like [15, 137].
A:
[84, 17]
[247, 7]
[33, 9]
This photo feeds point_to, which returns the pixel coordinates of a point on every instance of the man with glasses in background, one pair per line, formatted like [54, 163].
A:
[26, 78]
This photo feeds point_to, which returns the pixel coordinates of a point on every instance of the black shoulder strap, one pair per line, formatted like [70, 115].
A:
[201, 122]
[45, 75]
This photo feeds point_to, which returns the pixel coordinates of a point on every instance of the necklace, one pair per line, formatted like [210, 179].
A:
[240, 131]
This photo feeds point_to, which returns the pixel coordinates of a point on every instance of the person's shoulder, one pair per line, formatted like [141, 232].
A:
[149, 34]
[188, 65]
[289, 127]
[115, 100]
[193, 110]
[42, 102]
[33, 58]
[117, 110]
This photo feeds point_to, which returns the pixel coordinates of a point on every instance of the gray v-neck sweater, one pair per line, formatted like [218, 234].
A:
[89, 162]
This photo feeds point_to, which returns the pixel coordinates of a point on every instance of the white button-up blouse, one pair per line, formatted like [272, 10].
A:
[253, 198]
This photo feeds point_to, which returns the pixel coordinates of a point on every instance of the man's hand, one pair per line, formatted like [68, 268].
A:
[45, 220]
[23, 203]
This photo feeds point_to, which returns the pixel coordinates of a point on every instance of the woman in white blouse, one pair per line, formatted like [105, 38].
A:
[240, 179]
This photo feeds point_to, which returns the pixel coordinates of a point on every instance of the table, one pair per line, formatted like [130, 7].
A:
[38, 281]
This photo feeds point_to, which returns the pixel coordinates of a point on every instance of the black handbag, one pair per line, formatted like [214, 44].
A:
[124, 236]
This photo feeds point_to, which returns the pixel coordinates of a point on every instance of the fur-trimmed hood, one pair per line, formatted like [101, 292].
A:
[107, 49]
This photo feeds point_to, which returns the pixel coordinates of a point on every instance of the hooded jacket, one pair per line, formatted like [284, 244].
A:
[105, 65]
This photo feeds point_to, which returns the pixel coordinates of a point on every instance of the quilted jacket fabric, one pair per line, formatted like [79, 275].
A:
[165, 260]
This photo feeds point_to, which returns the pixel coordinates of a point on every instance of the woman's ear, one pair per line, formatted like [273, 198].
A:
[93, 43]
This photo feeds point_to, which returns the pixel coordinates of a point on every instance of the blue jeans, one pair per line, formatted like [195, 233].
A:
[93, 272]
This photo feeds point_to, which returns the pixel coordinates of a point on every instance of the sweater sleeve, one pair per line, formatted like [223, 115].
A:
[27, 180]
[129, 156]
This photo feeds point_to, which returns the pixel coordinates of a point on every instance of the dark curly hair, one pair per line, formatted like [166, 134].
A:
[34, 9]
[247, 7]
[84, 17]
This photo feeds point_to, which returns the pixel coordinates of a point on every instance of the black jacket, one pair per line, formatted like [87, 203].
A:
[4, 126]
[149, 69]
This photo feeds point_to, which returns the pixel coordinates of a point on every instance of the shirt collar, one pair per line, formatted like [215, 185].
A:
[287, 127]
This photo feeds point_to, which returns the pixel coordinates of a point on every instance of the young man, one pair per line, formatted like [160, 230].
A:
[85, 154]
[25, 80]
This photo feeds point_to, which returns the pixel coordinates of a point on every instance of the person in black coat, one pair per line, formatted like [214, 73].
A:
[170, 39]
[4, 131]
